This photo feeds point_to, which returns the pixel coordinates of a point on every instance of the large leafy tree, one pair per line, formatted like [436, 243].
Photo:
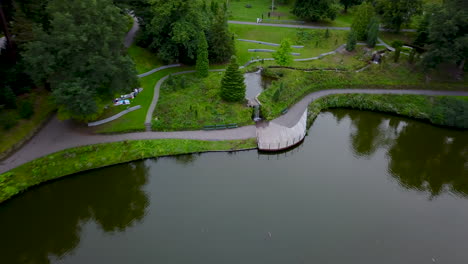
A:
[81, 56]
[174, 28]
[314, 10]
[232, 84]
[396, 13]
[364, 13]
[448, 35]
[220, 39]
[349, 3]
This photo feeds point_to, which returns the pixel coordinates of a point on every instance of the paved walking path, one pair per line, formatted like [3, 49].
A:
[304, 26]
[131, 34]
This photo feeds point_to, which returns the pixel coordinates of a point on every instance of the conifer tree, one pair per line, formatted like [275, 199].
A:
[351, 44]
[373, 32]
[202, 56]
[232, 84]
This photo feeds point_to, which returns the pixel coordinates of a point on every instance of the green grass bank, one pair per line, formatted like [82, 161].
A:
[297, 84]
[448, 111]
[85, 158]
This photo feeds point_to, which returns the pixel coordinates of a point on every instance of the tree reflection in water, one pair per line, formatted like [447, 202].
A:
[51, 216]
[421, 156]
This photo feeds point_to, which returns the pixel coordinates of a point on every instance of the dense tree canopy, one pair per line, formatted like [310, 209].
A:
[396, 13]
[364, 13]
[81, 55]
[173, 30]
[448, 35]
[315, 10]
[349, 3]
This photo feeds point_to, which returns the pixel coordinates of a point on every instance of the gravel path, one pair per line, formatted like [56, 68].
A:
[304, 26]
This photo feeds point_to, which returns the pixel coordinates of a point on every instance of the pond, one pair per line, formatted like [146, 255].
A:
[255, 83]
[362, 188]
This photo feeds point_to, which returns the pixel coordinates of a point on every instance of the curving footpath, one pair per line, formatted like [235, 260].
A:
[59, 135]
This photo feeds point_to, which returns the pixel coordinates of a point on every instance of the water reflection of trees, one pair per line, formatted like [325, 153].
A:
[421, 156]
[48, 220]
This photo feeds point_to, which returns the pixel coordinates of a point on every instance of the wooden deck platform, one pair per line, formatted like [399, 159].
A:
[276, 137]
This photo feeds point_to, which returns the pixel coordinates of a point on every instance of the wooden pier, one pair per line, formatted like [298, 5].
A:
[276, 137]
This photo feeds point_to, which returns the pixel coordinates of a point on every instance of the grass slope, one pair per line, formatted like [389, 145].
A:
[451, 111]
[25, 128]
[187, 103]
[80, 159]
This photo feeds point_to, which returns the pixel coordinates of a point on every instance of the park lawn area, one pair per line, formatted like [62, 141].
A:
[298, 84]
[189, 103]
[25, 128]
[135, 121]
[71, 161]
[406, 37]
[340, 61]
[239, 11]
[313, 40]
[144, 59]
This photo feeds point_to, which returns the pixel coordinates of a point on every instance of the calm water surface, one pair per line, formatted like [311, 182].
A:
[363, 188]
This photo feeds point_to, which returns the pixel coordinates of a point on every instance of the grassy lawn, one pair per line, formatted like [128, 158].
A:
[80, 159]
[189, 103]
[406, 37]
[25, 128]
[448, 111]
[134, 121]
[313, 40]
[144, 59]
[240, 12]
[297, 84]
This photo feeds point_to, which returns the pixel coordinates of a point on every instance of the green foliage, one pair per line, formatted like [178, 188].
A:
[82, 63]
[220, 39]
[277, 95]
[440, 110]
[397, 45]
[372, 32]
[8, 119]
[80, 159]
[349, 3]
[448, 31]
[327, 33]
[314, 10]
[396, 13]
[362, 19]
[283, 55]
[232, 84]
[8, 98]
[197, 105]
[202, 56]
[26, 109]
[351, 44]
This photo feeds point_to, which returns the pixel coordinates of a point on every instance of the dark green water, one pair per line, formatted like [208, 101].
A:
[363, 188]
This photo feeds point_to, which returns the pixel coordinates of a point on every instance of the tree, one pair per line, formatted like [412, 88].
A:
[283, 55]
[173, 30]
[349, 3]
[232, 84]
[315, 10]
[397, 45]
[351, 44]
[220, 40]
[81, 56]
[448, 35]
[202, 56]
[364, 13]
[373, 32]
[396, 13]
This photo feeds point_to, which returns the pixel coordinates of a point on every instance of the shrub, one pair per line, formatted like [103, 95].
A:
[351, 44]
[8, 97]
[8, 119]
[26, 109]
